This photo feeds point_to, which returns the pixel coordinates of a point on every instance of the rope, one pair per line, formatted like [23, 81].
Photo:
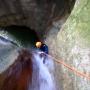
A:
[79, 73]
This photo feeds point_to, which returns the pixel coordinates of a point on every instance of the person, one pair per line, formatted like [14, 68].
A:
[43, 47]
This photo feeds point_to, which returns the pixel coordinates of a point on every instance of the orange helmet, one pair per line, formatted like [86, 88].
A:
[38, 44]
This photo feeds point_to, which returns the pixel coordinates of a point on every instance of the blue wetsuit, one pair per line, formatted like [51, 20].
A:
[44, 48]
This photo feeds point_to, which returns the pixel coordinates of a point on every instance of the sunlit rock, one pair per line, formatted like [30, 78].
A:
[72, 45]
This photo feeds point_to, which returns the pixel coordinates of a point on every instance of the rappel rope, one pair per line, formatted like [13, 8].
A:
[73, 69]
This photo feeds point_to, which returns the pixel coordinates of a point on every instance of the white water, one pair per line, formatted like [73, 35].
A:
[42, 77]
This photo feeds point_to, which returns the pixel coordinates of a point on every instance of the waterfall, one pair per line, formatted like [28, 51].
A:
[42, 65]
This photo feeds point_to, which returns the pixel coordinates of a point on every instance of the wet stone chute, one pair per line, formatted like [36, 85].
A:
[7, 53]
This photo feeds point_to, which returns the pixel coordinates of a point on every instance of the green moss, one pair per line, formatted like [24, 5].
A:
[79, 21]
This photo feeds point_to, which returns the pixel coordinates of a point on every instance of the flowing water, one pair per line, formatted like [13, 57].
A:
[43, 66]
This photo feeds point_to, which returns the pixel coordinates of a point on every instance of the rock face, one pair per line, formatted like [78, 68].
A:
[36, 14]
[72, 45]
[70, 42]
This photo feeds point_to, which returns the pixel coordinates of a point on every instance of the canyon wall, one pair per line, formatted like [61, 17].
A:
[72, 45]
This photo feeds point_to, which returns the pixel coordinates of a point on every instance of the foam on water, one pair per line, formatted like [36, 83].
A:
[42, 65]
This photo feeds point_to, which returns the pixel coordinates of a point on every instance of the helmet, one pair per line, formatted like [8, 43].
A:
[38, 44]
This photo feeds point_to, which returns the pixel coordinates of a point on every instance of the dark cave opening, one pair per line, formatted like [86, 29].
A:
[23, 34]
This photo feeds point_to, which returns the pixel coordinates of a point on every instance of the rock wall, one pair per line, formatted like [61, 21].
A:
[72, 45]
[36, 14]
